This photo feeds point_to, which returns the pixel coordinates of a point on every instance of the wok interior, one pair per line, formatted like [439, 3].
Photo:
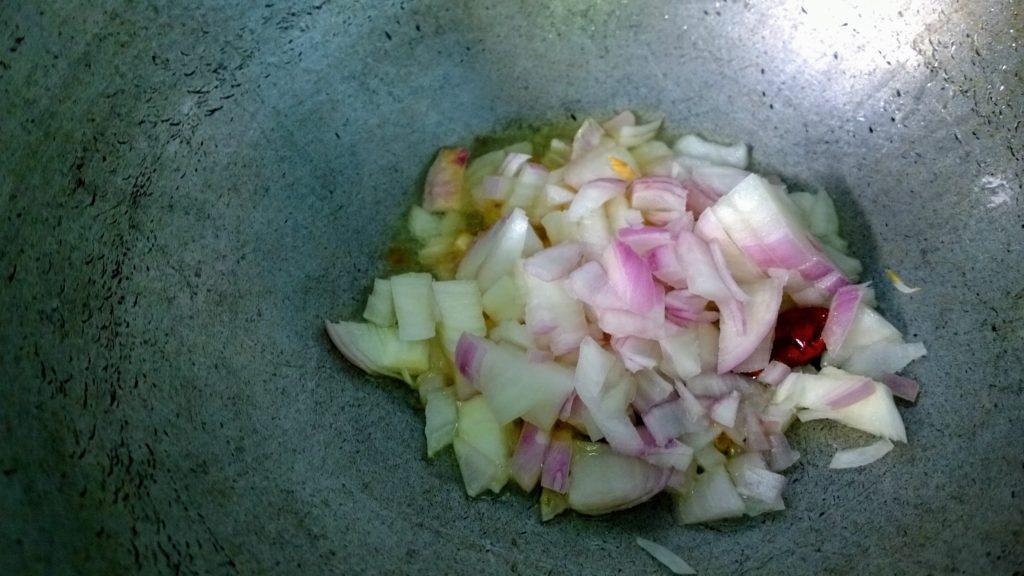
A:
[189, 189]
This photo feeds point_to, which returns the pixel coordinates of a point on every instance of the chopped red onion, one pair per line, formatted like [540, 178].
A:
[529, 456]
[852, 394]
[902, 387]
[854, 457]
[774, 373]
[593, 195]
[643, 239]
[669, 559]
[651, 389]
[629, 275]
[553, 263]
[557, 459]
[841, 314]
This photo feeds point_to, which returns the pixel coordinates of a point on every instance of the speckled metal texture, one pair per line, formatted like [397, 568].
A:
[188, 188]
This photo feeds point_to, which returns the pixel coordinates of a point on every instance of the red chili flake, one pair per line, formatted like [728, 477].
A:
[798, 335]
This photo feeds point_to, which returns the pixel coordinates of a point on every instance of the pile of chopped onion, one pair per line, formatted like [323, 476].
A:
[608, 334]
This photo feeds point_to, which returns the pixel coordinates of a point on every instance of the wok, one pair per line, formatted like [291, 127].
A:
[190, 188]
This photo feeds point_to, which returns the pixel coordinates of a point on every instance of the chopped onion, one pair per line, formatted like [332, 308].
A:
[883, 358]
[441, 419]
[553, 263]
[854, 457]
[528, 458]
[713, 498]
[557, 461]
[774, 373]
[380, 307]
[413, 298]
[513, 386]
[631, 278]
[651, 390]
[635, 135]
[876, 414]
[643, 239]
[607, 394]
[671, 561]
[693, 146]
[841, 314]
[603, 480]
[481, 447]
[379, 350]
[625, 293]
[443, 189]
[901, 386]
[593, 195]
[781, 455]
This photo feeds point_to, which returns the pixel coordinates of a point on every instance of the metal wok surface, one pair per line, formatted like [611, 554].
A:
[187, 189]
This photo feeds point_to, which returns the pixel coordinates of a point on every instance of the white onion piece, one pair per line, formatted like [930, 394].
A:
[653, 157]
[657, 193]
[503, 301]
[380, 308]
[666, 421]
[630, 277]
[481, 448]
[781, 455]
[760, 488]
[597, 164]
[459, 309]
[441, 418]
[901, 386]
[774, 373]
[693, 146]
[841, 314]
[557, 462]
[637, 353]
[603, 480]
[883, 358]
[553, 316]
[742, 268]
[606, 392]
[737, 342]
[589, 136]
[669, 559]
[443, 185]
[643, 239]
[666, 267]
[724, 411]
[854, 457]
[526, 463]
[850, 394]
[379, 350]
[682, 307]
[616, 123]
[651, 390]
[635, 135]
[513, 386]
[413, 297]
[505, 250]
[681, 352]
[674, 454]
[512, 163]
[527, 187]
[762, 220]
[593, 195]
[875, 414]
[713, 498]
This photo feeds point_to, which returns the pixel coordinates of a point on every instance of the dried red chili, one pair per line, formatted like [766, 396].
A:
[798, 335]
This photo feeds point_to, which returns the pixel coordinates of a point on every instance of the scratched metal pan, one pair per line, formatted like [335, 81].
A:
[188, 188]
